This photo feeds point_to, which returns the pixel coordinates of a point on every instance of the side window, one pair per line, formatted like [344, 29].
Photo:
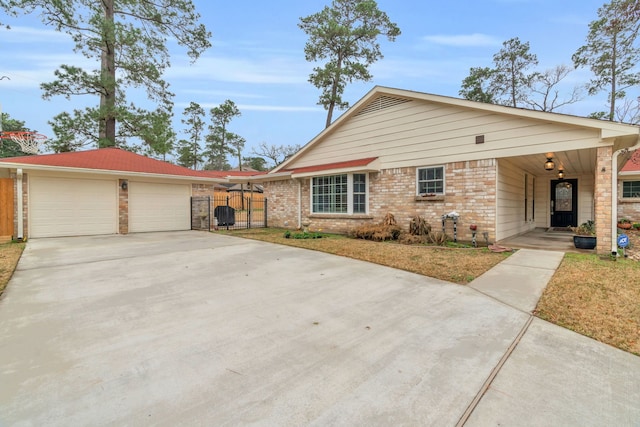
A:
[631, 189]
[359, 193]
[430, 180]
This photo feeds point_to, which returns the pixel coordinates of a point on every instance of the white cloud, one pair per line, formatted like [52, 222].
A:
[19, 34]
[221, 93]
[463, 40]
[270, 70]
[280, 108]
[273, 108]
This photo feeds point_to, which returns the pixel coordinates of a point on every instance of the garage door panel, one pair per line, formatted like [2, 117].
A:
[72, 207]
[159, 207]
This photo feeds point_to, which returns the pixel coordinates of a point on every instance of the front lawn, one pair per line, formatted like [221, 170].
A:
[453, 265]
[596, 297]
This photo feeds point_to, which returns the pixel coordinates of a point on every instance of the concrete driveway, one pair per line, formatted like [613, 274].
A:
[192, 328]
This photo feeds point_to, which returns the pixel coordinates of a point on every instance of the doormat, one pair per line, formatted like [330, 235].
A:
[560, 230]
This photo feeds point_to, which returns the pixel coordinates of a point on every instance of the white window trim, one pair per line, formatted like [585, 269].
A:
[444, 178]
[349, 194]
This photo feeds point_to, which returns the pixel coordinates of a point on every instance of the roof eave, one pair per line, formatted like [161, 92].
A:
[373, 166]
[276, 176]
[29, 166]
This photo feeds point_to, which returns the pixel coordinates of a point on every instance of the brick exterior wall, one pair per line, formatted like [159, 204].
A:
[123, 207]
[628, 208]
[24, 193]
[602, 199]
[204, 190]
[470, 191]
[282, 209]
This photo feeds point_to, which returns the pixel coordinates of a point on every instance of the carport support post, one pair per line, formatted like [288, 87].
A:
[603, 199]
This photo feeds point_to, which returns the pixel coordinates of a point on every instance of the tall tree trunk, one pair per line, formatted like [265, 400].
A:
[334, 91]
[330, 111]
[108, 77]
[614, 57]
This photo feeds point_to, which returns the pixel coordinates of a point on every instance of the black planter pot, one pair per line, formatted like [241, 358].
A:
[584, 242]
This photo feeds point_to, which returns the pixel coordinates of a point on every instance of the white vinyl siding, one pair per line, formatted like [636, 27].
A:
[419, 132]
[511, 201]
[159, 207]
[72, 207]
[339, 194]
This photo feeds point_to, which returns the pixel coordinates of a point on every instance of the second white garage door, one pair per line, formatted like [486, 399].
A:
[159, 207]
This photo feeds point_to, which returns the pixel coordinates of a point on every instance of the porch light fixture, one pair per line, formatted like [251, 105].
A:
[549, 165]
[560, 173]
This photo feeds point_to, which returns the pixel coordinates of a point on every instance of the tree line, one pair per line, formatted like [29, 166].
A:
[127, 41]
[611, 53]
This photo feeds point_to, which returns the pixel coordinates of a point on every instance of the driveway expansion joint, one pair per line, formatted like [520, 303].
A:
[478, 397]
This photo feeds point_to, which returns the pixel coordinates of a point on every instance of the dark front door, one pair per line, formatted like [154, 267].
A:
[564, 203]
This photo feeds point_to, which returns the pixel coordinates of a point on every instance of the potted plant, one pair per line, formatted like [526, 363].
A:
[624, 224]
[585, 237]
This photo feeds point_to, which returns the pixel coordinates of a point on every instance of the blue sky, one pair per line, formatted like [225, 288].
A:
[257, 59]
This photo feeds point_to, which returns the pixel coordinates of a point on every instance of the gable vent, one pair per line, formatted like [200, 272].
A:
[380, 103]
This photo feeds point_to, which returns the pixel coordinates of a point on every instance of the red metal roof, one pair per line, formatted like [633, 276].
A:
[633, 164]
[112, 159]
[336, 165]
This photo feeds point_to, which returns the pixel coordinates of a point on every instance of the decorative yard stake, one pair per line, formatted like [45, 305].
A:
[454, 216]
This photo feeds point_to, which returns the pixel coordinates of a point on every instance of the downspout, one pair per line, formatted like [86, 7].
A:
[20, 200]
[614, 195]
[299, 204]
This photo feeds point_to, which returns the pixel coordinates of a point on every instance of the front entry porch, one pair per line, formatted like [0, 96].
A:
[549, 239]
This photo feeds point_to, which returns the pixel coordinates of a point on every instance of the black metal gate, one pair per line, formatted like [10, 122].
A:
[239, 209]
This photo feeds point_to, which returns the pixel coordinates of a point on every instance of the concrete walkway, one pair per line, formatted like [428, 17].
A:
[550, 375]
[520, 280]
[203, 329]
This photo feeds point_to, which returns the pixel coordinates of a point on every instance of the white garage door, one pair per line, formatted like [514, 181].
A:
[72, 207]
[159, 207]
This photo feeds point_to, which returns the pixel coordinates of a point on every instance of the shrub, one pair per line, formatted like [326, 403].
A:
[389, 220]
[585, 229]
[418, 226]
[306, 235]
[385, 230]
[376, 232]
[438, 238]
[411, 239]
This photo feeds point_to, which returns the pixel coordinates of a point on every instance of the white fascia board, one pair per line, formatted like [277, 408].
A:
[27, 167]
[279, 176]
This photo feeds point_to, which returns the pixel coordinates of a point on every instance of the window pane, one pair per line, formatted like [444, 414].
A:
[329, 194]
[564, 197]
[631, 189]
[359, 193]
[431, 180]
